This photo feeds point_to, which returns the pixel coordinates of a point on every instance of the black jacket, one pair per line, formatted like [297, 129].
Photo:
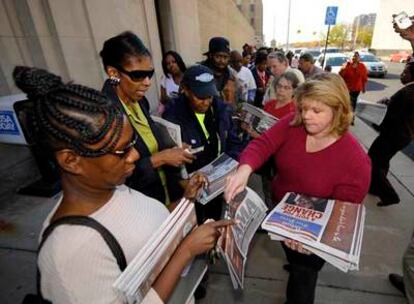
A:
[145, 178]
[218, 121]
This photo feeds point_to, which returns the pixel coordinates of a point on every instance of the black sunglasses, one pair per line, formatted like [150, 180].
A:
[125, 151]
[137, 75]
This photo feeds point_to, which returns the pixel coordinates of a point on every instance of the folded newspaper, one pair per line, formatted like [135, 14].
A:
[137, 279]
[331, 229]
[256, 118]
[217, 172]
[371, 111]
[248, 209]
[171, 133]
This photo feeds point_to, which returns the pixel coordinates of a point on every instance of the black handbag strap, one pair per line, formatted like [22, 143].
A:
[108, 237]
[110, 240]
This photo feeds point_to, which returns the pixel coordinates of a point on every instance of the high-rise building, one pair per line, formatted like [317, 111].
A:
[253, 11]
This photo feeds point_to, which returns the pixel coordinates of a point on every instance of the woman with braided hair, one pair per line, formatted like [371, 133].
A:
[92, 143]
[128, 63]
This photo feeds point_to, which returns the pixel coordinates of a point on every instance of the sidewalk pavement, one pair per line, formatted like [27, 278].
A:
[387, 232]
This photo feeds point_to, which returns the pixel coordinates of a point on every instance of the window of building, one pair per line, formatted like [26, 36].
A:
[252, 21]
[252, 7]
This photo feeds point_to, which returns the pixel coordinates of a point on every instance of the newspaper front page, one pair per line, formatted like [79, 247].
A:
[331, 229]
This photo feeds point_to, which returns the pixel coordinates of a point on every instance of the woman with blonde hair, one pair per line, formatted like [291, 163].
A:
[315, 155]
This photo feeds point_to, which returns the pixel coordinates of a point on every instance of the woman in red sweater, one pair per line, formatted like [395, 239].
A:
[284, 103]
[315, 155]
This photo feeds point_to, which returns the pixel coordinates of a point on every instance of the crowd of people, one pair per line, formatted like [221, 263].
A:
[117, 169]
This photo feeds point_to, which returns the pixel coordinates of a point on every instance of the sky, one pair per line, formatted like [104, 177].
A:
[308, 17]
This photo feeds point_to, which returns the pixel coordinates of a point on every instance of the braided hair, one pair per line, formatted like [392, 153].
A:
[69, 115]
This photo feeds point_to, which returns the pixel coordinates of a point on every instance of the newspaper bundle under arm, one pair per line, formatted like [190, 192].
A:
[217, 172]
[171, 133]
[137, 279]
[331, 229]
[371, 111]
[248, 210]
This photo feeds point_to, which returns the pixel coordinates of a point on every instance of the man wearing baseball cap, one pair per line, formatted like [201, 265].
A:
[206, 125]
[218, 57]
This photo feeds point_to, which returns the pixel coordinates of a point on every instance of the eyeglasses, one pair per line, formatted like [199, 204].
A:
[137, 75]
[279, 86]
[125, 151]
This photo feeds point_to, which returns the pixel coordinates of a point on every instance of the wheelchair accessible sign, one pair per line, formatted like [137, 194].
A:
[331, 13]
[8, 123]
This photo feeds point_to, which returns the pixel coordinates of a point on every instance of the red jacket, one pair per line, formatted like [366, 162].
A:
[355, 78]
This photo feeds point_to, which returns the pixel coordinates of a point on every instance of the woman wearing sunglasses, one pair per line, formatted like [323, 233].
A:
[90, 141]
[129, 65]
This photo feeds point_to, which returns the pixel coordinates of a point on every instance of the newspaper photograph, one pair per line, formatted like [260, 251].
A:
[217, 172]
[371, 111]
[257, 118]
[248, 210]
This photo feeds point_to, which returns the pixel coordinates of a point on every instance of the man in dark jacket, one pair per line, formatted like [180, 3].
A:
[218, 58]
[396, 132]
[205, 122]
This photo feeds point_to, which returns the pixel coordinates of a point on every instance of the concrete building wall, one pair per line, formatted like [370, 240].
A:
[253, 12]
[223, 18]
[385, 40]
[65, 37]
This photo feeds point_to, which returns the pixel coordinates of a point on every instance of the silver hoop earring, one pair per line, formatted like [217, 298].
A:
[114, 80]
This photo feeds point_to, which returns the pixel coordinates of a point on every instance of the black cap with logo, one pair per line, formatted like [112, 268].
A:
[200, 80]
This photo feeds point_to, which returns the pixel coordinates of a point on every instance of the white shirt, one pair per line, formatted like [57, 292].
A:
[171, 88]
[76, 264]
[245, 82]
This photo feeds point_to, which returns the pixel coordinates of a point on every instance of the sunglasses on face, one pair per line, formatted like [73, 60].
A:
[125, 151]
[137, 75]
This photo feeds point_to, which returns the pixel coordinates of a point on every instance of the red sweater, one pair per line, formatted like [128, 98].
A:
[288, 108]
[341, 171]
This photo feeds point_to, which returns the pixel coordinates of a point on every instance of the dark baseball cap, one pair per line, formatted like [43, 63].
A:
[200, 80]
[218, 44]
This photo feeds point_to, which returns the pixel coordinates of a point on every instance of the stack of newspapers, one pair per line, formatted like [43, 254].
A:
[248, 210]
[137, 279]
[217, 172]
[371, 111]
[331, 229]
[256, 118]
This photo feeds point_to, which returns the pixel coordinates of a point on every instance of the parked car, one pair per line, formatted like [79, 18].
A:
[402, 56]
[335, 60]
[374, 66]
[314, 52]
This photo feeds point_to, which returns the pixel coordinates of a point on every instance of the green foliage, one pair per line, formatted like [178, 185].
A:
[339, 35]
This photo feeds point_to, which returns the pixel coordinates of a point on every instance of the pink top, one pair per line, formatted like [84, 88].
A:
[341, 171]
[269, 107]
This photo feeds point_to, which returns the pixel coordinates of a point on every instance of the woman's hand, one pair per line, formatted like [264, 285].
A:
[203, 238]
[173, 157]
[237, 182]
[296, 246]
[195, 184]
[249, 130]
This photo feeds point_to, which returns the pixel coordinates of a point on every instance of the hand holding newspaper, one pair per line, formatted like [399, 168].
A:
[330, 229]
[248, 210]
[217, 172]
[171, 133]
